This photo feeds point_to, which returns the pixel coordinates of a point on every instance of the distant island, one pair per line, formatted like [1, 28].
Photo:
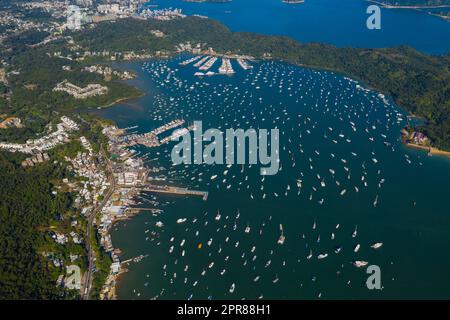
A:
[440, 8]
[414, 3]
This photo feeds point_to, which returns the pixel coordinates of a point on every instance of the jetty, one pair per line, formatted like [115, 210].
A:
[186, 62]
[176, 191]
[226, 67]
[208, 64]
[149, 139]
[201, 61]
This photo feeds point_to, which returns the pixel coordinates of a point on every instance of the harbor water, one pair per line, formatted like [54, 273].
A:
[345, 183]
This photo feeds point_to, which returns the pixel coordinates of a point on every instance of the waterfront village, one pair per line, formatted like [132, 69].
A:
[107, 184]
[85, 14]
[73, 15]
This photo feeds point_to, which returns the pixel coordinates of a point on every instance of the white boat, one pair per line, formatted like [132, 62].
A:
[282, 238]
[377, 245]
[181, 220]
[247, 229]
[233, 286]
[355, 233]
[360, 264]
[356, 249]
[322, 256]
[218, 216]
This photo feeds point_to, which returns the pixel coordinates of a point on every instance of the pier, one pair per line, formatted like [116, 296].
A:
[134, 210]
[135, 259]
[176, 190]
[149, 139]
[176, 134]
[201, 61]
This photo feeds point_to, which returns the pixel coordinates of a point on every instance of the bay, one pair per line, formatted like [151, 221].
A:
[409, 188]
[337, 22]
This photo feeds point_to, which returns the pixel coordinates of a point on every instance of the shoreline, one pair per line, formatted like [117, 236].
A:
[109, 289]
[416, 8]
[119, 100]
[390, 6]
[430, 150]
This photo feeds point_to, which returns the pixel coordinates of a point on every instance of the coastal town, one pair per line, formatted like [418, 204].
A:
[47, 142]
[95, 93]
[107, 188]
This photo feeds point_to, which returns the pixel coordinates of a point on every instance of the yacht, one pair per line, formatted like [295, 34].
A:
[376, 245]
[322, 256]
[360, 264]
[355, 233]
[282, 237]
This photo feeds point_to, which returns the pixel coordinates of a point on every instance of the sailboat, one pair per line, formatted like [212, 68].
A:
[282, 237]
[355, 233]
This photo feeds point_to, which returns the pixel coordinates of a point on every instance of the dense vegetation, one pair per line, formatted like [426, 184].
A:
[32, 97]
[26, 205]
[417, 82]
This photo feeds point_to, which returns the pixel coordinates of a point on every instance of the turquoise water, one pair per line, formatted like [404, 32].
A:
[338, 22]
[326, 122]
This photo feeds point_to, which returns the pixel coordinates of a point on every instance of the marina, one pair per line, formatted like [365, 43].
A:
[331, 129]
